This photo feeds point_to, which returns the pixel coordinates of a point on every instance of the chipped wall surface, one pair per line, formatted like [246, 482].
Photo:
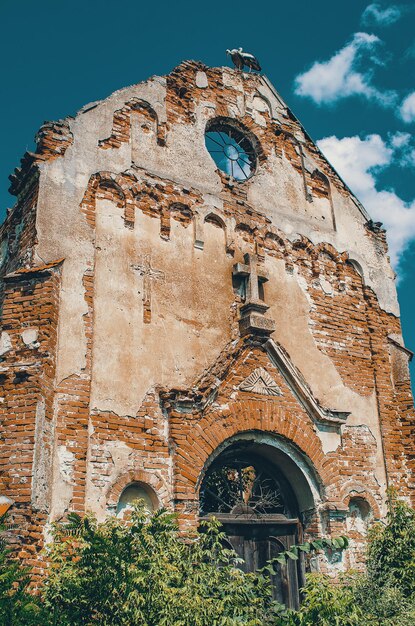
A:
[128, 235]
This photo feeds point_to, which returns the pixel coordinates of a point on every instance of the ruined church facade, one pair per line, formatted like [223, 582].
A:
[196, 310]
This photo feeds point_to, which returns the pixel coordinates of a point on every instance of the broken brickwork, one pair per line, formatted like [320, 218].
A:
[123, 360]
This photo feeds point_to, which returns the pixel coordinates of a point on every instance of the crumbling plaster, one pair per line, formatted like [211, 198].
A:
[63, 232]
[188, 326]
[151, 350]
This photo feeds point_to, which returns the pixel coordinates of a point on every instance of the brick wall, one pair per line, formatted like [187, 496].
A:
[51, 428]
[29, 332]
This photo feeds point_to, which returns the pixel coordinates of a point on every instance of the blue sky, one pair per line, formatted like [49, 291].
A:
[346, 69]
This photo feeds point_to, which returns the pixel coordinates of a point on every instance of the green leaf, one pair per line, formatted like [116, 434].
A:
[305, 547]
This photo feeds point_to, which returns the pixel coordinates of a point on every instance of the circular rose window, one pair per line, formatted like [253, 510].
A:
[231, 150]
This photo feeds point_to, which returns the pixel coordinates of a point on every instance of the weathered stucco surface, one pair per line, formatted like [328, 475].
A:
[129, 233]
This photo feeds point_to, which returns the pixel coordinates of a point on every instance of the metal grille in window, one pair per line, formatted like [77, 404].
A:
[241, 486]
[231, 150]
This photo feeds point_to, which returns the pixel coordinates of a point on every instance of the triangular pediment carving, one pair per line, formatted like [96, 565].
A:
[260, 381]
[204, 392]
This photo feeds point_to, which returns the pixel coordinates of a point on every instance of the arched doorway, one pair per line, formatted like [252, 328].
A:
[251, 488]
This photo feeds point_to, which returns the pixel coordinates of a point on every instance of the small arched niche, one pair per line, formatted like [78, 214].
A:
[357, 267]
[359, 516]
[133, 493]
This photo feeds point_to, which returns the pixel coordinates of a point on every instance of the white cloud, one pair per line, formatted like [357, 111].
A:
[358, 161]
[404, 148]
[326, 82]
[374, 15]
[407, 109]
[400, 139]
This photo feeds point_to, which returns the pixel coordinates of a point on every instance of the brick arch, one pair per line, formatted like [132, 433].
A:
[327, 248]
[314, 251]
[213, 217]
[214, 429]
[272, 234]
[147, 479]
[247, 231]
[217, 220]
[357, 267]
[177, 210]
[318, 178]
[352, 490]
[303, 243]
[121, 123]
[104, 185]
[129, 193]
[299, 472]
[338, 258]
[267, 101]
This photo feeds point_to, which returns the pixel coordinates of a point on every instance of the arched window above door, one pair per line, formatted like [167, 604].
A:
[242, 483]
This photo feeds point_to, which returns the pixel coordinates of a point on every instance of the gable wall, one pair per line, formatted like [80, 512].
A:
[131, 188]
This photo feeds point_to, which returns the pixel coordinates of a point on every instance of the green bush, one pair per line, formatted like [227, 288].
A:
[144, 573]
[391, 549]
[385, 594]
[328, 604]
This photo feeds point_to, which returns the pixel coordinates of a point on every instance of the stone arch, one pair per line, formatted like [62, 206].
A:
[152, 479]
[121, 124]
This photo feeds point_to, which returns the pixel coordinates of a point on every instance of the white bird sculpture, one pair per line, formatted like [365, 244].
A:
[241, 58]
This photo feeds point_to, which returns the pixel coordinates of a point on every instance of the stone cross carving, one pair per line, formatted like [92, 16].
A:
[252, 319]
[149, 274]
[252, 275]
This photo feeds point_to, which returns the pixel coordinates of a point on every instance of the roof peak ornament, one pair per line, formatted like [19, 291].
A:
[240, 59]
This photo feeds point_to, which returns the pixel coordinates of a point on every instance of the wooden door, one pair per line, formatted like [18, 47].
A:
[258, 544]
